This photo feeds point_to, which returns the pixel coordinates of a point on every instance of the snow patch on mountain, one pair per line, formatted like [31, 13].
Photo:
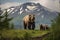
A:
[31, 7]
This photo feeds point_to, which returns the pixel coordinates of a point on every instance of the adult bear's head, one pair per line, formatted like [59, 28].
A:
[29, 18]
[32, 18]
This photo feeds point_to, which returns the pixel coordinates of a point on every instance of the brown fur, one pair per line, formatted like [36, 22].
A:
[44, 27]
[29, 21]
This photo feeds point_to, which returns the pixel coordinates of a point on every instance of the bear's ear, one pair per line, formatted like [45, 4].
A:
[34, 15]
[29, 15]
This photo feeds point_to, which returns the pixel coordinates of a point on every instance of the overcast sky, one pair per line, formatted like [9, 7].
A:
[51, 4]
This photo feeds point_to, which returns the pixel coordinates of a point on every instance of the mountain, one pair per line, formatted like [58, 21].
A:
[43, 15]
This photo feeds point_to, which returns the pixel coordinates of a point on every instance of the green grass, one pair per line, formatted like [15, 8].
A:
[20, 33]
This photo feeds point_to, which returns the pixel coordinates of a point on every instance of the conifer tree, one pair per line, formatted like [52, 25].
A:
[5, 21]
[1, 23]
[55, 31]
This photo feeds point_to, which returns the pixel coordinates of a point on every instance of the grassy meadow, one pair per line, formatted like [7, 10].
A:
[21, 33]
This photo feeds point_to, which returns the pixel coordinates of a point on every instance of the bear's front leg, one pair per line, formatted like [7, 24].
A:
[33, 25]
[25, 25]
[29, 26]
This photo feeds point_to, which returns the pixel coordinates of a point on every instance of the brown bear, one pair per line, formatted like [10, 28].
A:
[44, 27]
[29, 21]
[41, 27]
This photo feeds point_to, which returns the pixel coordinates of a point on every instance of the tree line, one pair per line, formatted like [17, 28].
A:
[5, 21]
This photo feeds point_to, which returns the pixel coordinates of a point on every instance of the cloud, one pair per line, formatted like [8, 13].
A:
[9, 4]
[51, 4]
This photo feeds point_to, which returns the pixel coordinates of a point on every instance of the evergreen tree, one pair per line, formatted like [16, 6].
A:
[5, 21]
[1, 17]
[1, 23]
[55, 31]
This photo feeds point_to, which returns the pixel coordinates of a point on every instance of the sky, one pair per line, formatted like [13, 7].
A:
[51, 4]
